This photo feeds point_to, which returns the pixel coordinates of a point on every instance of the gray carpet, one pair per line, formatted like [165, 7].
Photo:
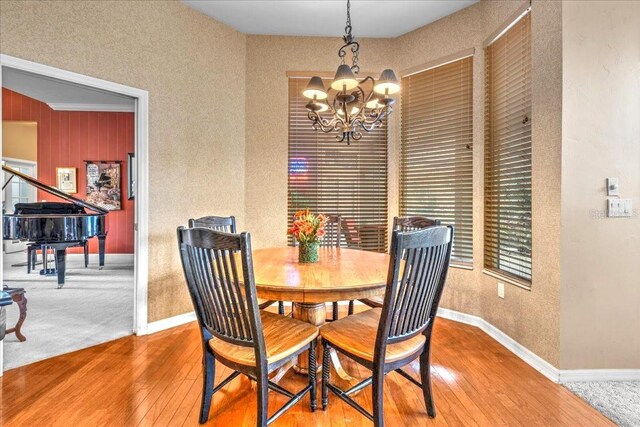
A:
[94, 306]
[617, 400]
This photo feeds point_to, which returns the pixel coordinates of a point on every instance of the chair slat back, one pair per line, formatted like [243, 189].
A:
[413, 223]
[417, 273]
[219, 223]
[225, 307]
[350, 232]
[333, 232]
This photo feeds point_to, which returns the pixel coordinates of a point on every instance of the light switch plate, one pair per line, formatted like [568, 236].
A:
[501, 289]
[613, 187]
[619, 208]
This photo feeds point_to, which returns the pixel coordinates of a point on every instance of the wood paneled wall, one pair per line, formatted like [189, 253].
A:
[67, 139]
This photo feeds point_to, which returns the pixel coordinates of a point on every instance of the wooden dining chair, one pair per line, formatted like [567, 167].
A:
[388, 338]
[334, 238]
[402, 223]
[228, 225]
[234, 331]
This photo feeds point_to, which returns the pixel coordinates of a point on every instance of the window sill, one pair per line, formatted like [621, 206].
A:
[510, 280]
[461, 265]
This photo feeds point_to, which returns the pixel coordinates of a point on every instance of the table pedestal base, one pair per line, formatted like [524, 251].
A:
[314, 313]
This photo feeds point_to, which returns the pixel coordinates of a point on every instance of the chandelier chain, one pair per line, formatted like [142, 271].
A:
[347, 28]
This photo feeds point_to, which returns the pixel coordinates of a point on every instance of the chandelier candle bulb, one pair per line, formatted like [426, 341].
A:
[356, 104]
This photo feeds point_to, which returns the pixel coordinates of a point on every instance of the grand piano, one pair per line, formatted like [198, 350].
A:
[55, 225]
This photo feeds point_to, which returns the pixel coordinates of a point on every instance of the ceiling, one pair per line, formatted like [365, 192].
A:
[61, 95]
[369, 18]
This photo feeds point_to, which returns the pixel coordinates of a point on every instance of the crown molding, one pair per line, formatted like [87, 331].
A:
[114, 108]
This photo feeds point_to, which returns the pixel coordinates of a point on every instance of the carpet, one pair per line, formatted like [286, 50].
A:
[617, 400]
[93, 307]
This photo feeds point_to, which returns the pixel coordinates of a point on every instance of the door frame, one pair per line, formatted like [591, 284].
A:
[141, 225]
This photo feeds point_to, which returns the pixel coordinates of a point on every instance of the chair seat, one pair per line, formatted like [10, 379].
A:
[357, 335]
[283, 336]
[375, 302]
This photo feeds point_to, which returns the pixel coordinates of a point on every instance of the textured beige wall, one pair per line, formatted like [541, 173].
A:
[194, 70]
[600, 322]
[530, 317]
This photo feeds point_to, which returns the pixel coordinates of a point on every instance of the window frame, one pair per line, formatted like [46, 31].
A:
[490, 268]
[468, 54]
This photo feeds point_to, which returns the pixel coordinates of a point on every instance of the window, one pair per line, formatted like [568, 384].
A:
[332, 177]
[18, 191]
[507, 192]
[436, 162]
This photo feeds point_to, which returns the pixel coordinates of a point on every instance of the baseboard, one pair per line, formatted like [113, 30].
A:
[536, 362]
[581, 375]
[532, 359]
[171, 322]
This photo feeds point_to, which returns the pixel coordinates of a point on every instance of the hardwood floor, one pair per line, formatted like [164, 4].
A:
[155, 380]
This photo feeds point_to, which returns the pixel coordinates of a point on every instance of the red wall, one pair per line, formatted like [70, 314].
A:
[66, 139]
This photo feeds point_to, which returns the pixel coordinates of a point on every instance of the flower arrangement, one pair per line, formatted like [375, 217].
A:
[308, 230]
[307, 227]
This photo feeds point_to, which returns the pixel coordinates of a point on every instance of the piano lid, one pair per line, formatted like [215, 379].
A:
[52, 190]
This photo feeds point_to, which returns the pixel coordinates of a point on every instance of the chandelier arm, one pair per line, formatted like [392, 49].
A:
[368, 78]
[320, 123]
[373, 123]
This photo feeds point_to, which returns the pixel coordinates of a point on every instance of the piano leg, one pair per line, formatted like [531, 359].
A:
[34, 257]
[85, 247]
[29, 258]
[61, 255]
[101, 241]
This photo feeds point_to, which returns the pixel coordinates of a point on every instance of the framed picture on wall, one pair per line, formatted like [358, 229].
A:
[67, 180]
[103, 185]
[131, 176]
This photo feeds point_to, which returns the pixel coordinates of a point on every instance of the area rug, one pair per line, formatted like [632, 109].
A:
[94, 306]
[617, 400]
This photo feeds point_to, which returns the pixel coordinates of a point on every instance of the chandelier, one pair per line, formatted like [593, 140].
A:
[346, 106]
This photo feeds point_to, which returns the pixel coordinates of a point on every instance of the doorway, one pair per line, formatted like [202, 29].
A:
[137, 186]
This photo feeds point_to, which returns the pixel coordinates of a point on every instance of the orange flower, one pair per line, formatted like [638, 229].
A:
[307, 227]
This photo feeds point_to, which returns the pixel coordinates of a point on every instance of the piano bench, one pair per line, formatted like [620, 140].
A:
[18, 296]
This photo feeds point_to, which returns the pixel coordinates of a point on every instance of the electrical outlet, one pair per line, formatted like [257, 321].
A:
[619, 208]
[501, 289]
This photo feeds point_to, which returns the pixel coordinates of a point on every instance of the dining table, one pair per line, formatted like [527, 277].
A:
[340, 274]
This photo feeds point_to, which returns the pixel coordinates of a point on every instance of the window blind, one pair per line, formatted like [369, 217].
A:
[436, 162]
[332, 177]
[507, 240]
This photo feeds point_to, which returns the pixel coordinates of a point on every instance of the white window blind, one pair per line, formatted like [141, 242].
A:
[507, 240]
[334, 178]
[436, 169]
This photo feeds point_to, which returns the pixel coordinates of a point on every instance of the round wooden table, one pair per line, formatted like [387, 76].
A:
[340, 274]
